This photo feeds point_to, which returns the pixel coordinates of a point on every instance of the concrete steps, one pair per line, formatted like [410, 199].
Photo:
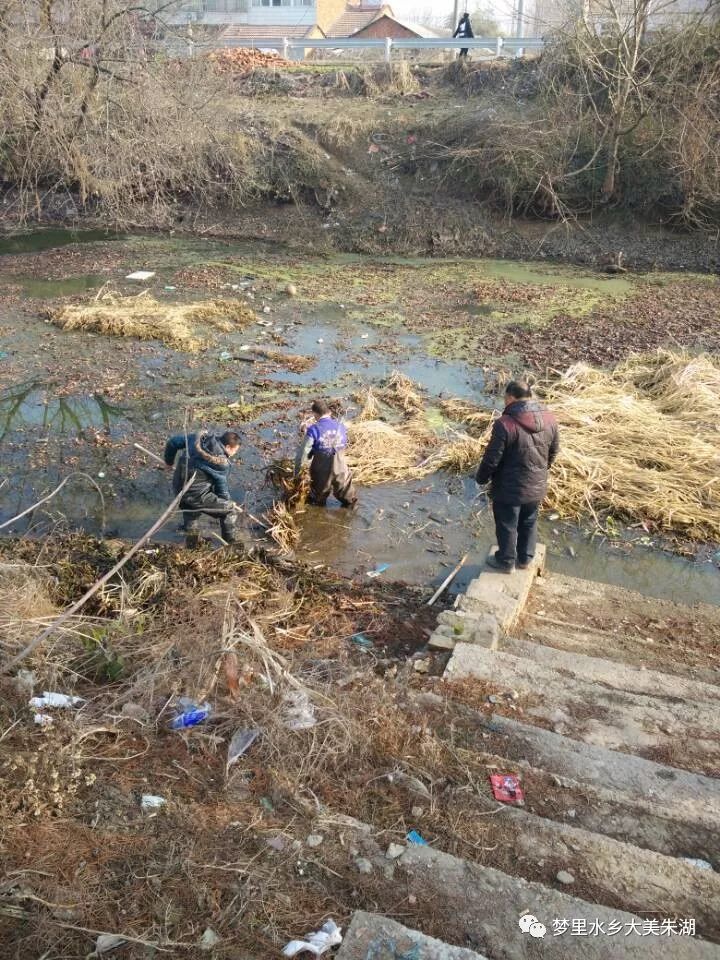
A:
[609, 673]
[373, 937]
[593, 713]
[483, 906]
[605, 832]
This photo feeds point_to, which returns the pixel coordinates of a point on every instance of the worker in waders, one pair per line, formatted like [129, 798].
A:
[325, 442]
[208, 457]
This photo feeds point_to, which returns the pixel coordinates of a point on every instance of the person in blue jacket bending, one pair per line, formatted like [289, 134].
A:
[208, 457]
[325, 443]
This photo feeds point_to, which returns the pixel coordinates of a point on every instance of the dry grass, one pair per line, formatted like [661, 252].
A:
[380, 452]
[463, 411]
[402, 393]
[370, 409]
[636, 443]
[25, 605]
[143, 317]
[640, 442]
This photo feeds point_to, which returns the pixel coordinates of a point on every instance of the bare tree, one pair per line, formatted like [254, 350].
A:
[607, 49]
[92, 104]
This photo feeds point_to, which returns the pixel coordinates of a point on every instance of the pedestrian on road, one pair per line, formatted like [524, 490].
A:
[324, 443]
[209, 458]
[464, 30]
[523, 445]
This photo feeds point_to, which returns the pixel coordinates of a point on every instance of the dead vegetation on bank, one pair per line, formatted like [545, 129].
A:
[638, 442]
[143, 317]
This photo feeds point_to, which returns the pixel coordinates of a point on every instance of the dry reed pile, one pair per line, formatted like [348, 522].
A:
[640, 442]
[145, 318]
[402, 393]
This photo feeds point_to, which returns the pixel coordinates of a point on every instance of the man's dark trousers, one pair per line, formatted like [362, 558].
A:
[516, 532]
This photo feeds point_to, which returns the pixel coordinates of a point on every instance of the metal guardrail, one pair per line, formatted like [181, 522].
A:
[511, 46]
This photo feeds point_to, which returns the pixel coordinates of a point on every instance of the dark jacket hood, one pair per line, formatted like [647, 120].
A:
[209, 447]
[528, 414]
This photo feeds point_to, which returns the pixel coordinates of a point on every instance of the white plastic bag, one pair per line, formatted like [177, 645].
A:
[329, 935]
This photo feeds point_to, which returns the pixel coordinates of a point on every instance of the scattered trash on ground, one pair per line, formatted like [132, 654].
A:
[209, 940]
[378, 570]
[329, 935]
[506, 788]
[141, 275]
[299, 711]
[52, 701]
[192, 715]
[151, 803]
[417, 839]
[107, 942]
[697, 862]
[360, 640]
[394, 851]
[241, 742]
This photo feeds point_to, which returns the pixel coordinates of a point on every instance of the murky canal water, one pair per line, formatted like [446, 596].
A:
[76, 402]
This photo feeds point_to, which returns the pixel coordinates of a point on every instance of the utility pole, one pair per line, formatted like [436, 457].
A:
[520, 18]
[456, 15]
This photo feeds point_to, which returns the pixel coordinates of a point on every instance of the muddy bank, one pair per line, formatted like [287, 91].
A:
[403, 227]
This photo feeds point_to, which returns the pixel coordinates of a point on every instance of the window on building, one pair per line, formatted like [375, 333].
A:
[283, 3]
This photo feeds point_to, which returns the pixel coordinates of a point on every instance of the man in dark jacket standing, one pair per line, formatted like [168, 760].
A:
[208, 457]
[464, 30]
[523, 445]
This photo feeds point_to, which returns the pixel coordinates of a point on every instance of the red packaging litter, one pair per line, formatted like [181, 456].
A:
[506, 788]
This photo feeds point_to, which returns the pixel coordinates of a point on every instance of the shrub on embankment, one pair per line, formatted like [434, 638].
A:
[599, 120]
[90, 104]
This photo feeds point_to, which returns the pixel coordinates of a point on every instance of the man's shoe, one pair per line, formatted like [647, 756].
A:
[500, 567]
[349, 504]
[522, 566]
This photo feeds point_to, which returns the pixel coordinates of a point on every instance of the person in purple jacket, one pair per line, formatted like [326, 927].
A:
[324, 444]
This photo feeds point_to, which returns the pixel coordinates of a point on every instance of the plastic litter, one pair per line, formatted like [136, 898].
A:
[506, 788]
[141, 275]
[191, 716]
[3, 355]
[360, 640]
[151, 803]
[697, 862]
[299, 711]
[381, 568]
[51, 700]
[225, 355]
[209, 939]
[107, 942]
[417, 839]
[329, 935]
[168, 287]
[241, 742]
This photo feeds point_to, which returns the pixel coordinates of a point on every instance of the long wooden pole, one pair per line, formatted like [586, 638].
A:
[447, 581]
[71, 611]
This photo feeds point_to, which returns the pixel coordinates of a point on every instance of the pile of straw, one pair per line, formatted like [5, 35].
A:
[463, 411]
[144, 317]
[370, 408]
[641, 443]
[401, 392]
[380, 452]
